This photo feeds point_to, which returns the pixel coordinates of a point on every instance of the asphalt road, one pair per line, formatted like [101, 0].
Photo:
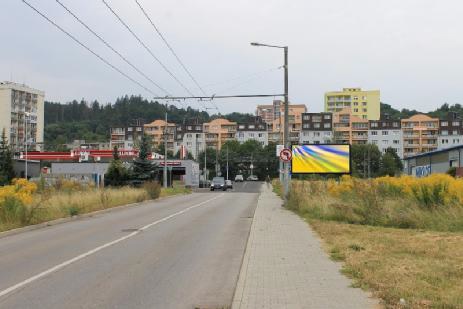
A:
[181, 252]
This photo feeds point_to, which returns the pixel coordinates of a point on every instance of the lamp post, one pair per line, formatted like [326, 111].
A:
[286, 141]
[26, 114]
[165, 153]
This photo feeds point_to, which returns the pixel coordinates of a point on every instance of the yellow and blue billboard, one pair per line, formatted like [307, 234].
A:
[321, 159]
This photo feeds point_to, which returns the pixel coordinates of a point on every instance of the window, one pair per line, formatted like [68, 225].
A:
[261, 135]
[356, 110]
[396, 141]
[198, 128]
[364, 103]
[189, 128]
[385, 133]
[455, 132]
[251, 126]
[241, 126]
[129, 129]
[456, 123]
[241, 134]
[327, 133]
[188, 144]
[364, 116]
[374, 132]
[364, 97]
[395, 124]
[251, 134]
[306, 117]
[327, 116]
[317, 134]
[444, 123]
[385, 142]
[374, 142]
[188, 136]
[373, 124]
[327, 125]
[356, 103]
[305, 126]
[139, 129]
[316, 125]
[364, 110]
[444, 132]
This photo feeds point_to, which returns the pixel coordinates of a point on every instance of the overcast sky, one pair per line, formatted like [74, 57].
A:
[412, 50]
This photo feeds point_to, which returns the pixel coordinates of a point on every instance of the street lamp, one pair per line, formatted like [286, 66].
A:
[286, 119]
[26, 114]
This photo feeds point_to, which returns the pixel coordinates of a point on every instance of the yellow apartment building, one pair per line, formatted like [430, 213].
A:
[349, 128]
[420, 134]
[218, 131]
[363, 103]
[155, 130]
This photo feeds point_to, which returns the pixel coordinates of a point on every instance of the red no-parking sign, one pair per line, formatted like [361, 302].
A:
[286, 155]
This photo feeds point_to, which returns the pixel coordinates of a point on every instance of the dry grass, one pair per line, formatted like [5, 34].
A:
[423, 268]
[54, 204]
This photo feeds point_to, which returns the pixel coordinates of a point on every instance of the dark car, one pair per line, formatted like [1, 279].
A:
[218, 183]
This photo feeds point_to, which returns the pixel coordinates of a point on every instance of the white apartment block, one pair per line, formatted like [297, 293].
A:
[22, 116]
[316, 137]
[447, 141]
[254, 130]
[193, 142]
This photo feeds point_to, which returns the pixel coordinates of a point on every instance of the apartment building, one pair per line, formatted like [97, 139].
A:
[317, 128]
[450, 131]
[127, 137]
[420, 134]
[253, 130]
[349, 128]
[364, 104]
[218, 131]
[22, 116]
[386, 133]
[190, 135]
[157, 129]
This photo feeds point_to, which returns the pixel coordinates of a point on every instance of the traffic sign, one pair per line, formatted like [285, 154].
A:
[286, 155]
[279, 148]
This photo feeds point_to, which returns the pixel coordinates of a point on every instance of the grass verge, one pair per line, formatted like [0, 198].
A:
[54, 204]
[423, 268]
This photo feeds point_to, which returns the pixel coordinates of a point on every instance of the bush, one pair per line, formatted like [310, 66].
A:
[153, 189]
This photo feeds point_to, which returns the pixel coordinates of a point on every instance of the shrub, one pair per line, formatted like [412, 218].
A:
[153, 189]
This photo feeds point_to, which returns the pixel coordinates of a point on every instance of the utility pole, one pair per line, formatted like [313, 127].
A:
[286, 141]
[165, 152]
[369, 164]
[286, 131]
[205, 162]
[227, 162]
[25, 143]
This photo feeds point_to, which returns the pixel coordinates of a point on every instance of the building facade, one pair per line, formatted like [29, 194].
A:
[349, 128]
[386, 133]
[364, 104]
[219, 131]
[253, 130]
[437, 161]
[450, 131]
[157, 130]
[22, 116]
[127, 137]
[317, 128]
[420, 134]
[191, 136]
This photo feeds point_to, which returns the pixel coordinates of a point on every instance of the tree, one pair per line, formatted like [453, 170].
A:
[365, 157]
[117, 174]
[6, 161]
[143, 168]
[391, 165]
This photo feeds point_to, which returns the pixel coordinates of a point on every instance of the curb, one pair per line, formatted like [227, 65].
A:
[24, 229]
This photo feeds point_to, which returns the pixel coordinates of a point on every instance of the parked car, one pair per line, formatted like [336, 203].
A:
[218, 183]
[229, 183]
[253, 178]
[239, 178]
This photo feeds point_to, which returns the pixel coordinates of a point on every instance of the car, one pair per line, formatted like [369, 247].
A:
[229, 183]
[218, 183]
[239, 178]
[252, 178]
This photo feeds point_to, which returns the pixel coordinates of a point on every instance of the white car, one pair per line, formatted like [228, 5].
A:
[239, 178]
[253, 178]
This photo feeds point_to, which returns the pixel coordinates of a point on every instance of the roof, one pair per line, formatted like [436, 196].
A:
[420, 117]
[430, 153]
[159, 122]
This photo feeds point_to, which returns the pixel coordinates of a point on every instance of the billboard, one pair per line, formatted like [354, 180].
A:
[321, 159]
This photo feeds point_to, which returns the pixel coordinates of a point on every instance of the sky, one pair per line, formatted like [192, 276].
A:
[411, 50]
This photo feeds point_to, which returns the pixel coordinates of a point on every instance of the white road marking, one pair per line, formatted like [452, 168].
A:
[97, 249]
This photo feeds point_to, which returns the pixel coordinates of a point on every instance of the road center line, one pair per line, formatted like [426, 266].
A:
[97, 249]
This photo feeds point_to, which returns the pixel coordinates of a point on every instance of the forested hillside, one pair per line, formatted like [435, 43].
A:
[91, 121]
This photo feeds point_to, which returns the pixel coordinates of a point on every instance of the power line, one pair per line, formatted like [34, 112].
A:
[147, 48]
[88, 49]
[221, 97]
[174, 53]
[170, 47]
[241, 77]
[110, 47]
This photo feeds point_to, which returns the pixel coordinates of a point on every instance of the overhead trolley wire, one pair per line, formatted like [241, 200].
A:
[147, 48]
[110, 47]
[88, 49]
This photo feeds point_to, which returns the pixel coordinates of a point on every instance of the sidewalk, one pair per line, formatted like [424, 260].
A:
[285, 267]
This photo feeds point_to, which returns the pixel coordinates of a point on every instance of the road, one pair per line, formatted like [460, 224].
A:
[181, 252]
